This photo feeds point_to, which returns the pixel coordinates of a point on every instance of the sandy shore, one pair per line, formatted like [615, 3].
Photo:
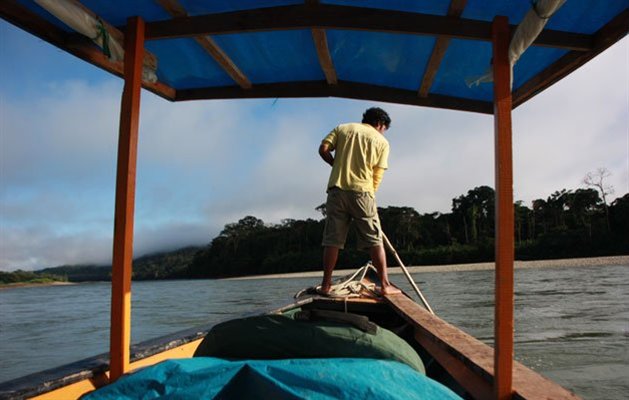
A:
[570, 262]
[20, 285]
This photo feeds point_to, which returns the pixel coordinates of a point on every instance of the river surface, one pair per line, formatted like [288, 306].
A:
[571, 324]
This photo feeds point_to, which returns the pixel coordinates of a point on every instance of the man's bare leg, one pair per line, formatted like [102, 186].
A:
[330, 255]
[379, 259]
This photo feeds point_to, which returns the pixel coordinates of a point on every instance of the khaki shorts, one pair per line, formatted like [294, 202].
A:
[342, 207]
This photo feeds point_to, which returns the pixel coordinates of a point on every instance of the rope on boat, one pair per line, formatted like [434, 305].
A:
[353, 287]
[350, 287]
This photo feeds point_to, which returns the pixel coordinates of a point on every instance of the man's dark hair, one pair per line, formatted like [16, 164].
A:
[375, 115]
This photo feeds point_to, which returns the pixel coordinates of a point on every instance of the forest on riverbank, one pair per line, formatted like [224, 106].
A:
[567, 224]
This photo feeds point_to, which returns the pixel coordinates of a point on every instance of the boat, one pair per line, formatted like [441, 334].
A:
[467, 53]
[455, 363]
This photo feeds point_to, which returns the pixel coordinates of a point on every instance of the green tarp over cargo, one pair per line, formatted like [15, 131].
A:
[279, 337]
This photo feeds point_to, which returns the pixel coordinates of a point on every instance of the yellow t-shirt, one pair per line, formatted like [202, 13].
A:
[358, 148]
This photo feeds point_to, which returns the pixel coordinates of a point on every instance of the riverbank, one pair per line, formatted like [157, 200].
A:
[31, 284]
[569, 262]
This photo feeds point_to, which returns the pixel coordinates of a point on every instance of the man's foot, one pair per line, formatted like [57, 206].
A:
[322, 292]
[389, 289]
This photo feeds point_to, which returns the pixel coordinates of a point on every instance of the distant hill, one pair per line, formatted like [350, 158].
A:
[163, 265]
[79, 273]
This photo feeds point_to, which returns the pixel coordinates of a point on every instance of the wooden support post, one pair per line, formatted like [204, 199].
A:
[120, 336]
[503, 324]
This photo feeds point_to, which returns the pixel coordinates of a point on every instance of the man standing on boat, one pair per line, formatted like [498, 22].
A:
[360, 157]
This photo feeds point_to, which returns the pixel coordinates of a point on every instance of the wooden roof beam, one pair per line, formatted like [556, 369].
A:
[149, 60]
[325, 59]
[454, 11]
[615, 30]
[326, 16]
[323, 51]
[344, 89]
[74, 43]
[174, 8]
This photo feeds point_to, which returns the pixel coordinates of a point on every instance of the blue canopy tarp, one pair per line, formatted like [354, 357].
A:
[410, 52]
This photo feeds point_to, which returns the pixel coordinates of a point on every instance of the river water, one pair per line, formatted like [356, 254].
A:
[571, 324]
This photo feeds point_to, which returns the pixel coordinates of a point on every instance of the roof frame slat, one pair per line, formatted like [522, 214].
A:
[326, 16]
[174, 8]
[318, 17]
[74, 43]
[325, 59]
[345, 89]
[609, 34]
[320, 39]
[441, 45]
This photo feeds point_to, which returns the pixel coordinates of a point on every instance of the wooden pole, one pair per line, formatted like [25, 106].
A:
[410, 279]
[120, 336]
[503, 325]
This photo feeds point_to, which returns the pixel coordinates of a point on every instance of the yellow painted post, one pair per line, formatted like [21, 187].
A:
[120, 336]
[503, 324]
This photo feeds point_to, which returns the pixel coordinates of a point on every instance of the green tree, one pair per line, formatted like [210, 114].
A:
[475, 211]
[401, 225]
[540, 215]
[522, 222]
[557, 204]
[234, 233]
[619, 217]
[596, 180]
[582, 205]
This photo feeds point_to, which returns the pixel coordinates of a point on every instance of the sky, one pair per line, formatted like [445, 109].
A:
[204, 164]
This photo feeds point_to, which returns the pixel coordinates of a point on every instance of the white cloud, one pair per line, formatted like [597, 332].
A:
[576, 126]
[67, 133]
[204, 164]
[40, 246]
[436, 155]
